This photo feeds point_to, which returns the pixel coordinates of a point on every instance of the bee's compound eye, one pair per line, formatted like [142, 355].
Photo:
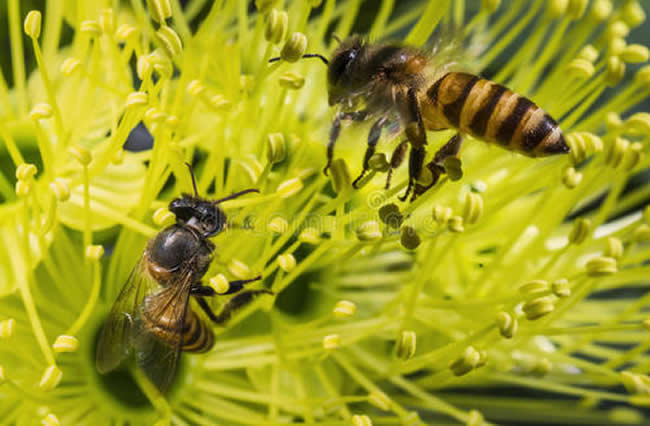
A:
[340, 64]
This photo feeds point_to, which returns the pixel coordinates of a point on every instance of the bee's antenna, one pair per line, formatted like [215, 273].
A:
[189, 166]
[308, 55]
[335, 37]
[236, 194]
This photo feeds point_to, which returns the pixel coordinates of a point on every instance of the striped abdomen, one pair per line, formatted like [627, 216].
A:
[493, 113]
[196, 335]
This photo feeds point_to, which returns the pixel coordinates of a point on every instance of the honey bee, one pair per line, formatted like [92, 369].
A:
[151, 317]
[394, 83]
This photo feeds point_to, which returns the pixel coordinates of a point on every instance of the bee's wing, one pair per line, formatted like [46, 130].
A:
[166, 310]
[115, 341]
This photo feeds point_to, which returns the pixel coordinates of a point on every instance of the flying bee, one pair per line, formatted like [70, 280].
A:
[390, 83]
[152, 317]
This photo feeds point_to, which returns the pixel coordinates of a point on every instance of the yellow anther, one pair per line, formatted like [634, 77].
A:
[294, 47]
[32, 24]
[638, 124]
[340, 175]
[26, 171]
[279, 225]
[94, 252]
[625, 416]
[369, 231]
[218, 102]
[7, 327]
[390, 215]
[580, 69]
[600, 266]
[172, 121]
[50, 420]
[580, 231]
[633, 13]
[291, 80]
[615, 70]
[3, 376]
[646, 323]
[636, 383]
[635, 53]
[483, 357]
[239, 269]
[309, 236]
[277, 23]
[107, 20]
[65, 343]
[475, 418]
[380, 400]
[473, 208]
[51, 378]
[219, 283]
[409, 238]
[442, 214]
[539, 307]
[344, 309]
[614, 248]
[577, 8]
[23, 188]
[154, 115]
[588, 53]
[160, 10]
[331, 341]
[361, 420]
[81, 154]
[633, 156]
[601, 10]
[378, 162]
[617, 29]
[69, 66]
[289, 187]
[406, 345]
[490, 6]
[616, 152]
[507, 324]
[144, 67]
[276, 148]
[466, 362]
[136, 99]
[161, 63]
[195, 87]
[571, 177]
[60, 189]
[91, 28]
[456, 224]
[287, 262]
[170, 41]
[453, 168]
[613, 120]
[118, 157]
[616, 46]
[163, 217]
[41, 111]
[535, 286]
[641, 233]
[561, 288]
[125, 32]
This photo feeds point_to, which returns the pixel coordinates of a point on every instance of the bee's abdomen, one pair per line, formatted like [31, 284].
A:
[197, 336]
[491, 112]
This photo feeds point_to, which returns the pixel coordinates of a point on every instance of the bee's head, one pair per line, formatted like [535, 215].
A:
[341, 69]
[203, 215]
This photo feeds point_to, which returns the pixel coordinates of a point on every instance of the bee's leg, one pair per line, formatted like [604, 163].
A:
[417, 135]
[335, 130]
[373, 138]
[396, 160]
[436, 166]
[233, 305]
[234, 287]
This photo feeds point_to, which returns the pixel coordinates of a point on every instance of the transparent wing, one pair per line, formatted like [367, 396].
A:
[158, 333]
[115, 340]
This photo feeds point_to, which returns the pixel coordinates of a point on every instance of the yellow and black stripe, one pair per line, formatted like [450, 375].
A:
[492, 112]
[197, 335]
